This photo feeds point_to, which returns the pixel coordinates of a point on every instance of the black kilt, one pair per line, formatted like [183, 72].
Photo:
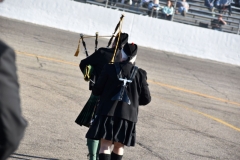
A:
[113, 129]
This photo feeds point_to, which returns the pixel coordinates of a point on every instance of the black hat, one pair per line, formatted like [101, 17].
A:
[123, 39]
[130, 49]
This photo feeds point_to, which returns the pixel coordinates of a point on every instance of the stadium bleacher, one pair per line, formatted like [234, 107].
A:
[198, 14]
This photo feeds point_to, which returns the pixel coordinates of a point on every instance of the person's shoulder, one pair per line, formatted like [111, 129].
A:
[142, 72]
[105, 50]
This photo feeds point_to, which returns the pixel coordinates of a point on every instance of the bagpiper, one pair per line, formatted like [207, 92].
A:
[122, 87]
[91, 68]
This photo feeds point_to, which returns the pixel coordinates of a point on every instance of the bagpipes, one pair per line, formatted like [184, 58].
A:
[86, 115]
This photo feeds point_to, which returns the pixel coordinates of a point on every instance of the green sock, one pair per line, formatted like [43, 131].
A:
[93, 148]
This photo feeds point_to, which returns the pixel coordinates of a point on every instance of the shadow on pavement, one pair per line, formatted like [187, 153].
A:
[28, 157]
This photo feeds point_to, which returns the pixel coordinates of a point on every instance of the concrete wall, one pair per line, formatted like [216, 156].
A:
[143, 30]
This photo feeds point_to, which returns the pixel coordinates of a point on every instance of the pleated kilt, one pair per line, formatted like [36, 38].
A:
[113, 129]
[85, 116]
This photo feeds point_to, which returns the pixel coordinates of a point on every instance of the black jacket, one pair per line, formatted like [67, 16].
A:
[12, 124]
[98, 59]
[217, 24]
[109, 85]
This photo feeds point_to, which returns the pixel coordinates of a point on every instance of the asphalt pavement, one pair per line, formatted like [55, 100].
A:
[194, 113]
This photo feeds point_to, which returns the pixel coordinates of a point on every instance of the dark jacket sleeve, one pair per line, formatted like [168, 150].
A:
[12, 124]
[101, 82]
[145, 96]
[90, 60]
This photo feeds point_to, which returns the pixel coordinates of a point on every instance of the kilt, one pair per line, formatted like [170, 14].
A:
[113, 129]
[85, 116]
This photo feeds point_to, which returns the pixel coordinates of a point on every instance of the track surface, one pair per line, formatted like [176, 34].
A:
[194, 113]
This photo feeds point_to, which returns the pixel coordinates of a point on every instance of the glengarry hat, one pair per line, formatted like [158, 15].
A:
[130, 49]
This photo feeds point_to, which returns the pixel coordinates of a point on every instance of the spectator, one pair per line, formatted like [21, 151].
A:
[222, 5]
[217, 23]
[183, 7]
[210, 5]
[153, 8]
[12, 124]
[113, 2]
[167, 11]
[145, 3]
[136, 4]
[237, 3]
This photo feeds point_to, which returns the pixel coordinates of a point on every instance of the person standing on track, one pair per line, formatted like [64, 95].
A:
[122, 87]
[97, 60]
[12, 124]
